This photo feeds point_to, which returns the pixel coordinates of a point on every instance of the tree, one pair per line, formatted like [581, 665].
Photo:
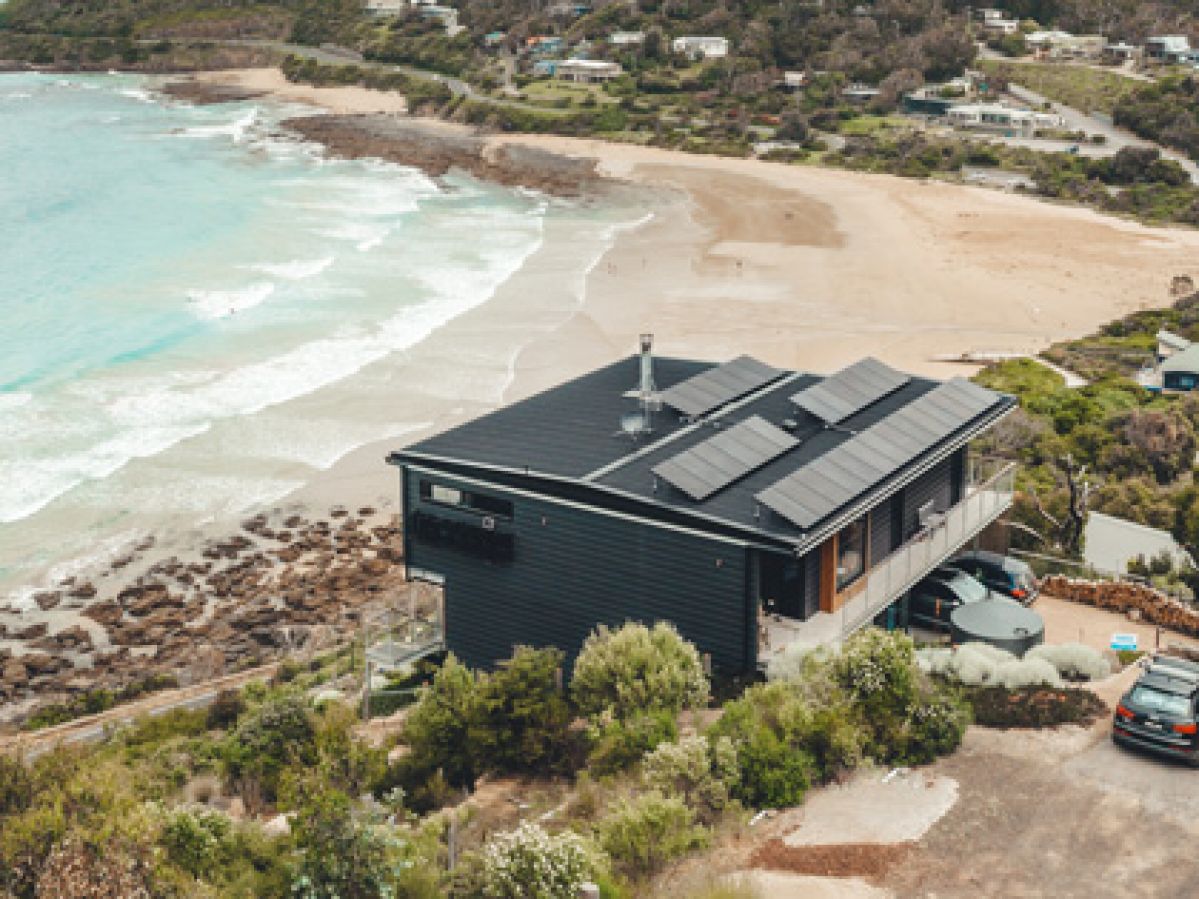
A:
[527, 863]
[438, 727]
[636, 670]
[522, 720]
[276, 733]
[1167, 440]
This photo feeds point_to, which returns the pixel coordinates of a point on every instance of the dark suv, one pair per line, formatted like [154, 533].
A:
[1161, 711]
[939, 593]
[1003, 574]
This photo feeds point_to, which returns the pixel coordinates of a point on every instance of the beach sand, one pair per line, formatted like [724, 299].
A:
[341, 100]
[799, 266]
[803, 267]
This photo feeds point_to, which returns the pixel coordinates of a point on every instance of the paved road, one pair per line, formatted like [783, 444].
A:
[1116, 138]
[342, 57]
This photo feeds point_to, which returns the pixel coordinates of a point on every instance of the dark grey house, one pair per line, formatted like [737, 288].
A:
[752, 507]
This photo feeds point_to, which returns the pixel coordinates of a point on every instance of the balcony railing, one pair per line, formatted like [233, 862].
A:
[890, 578]
[412, 628]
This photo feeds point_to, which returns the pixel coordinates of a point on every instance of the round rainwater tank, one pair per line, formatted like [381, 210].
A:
[1000, 622]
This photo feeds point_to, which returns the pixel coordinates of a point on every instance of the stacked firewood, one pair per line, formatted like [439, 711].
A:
[1123, 596]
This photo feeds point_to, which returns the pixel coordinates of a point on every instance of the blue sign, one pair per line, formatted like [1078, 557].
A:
[1124, 641]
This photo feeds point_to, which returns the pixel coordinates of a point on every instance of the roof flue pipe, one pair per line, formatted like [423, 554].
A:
[646, 390]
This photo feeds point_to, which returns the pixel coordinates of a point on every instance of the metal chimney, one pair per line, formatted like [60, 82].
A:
[646, 390]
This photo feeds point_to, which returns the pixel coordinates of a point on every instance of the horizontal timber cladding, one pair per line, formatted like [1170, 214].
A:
[934, 485]
[573, 568]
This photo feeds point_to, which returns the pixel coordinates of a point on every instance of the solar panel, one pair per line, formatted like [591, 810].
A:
[718, 385]
[709, 467]
[807, 496]
[850, 390]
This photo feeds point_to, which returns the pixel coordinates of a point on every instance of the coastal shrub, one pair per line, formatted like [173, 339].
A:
[1073, 661]
[521, 719]
[527, 863]
[225, 710]
[198, 842]
[645, 832]
[636, 669]
[341, 856]
[344, 761]
[936, 725]
[437, 729]
[695, 768]
[615, 745]
[1027, 673]
[274, 734]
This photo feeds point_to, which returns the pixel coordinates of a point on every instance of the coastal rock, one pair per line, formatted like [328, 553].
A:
[107, 613]
[47, 599]
[14, 673]
[30, 632]
[86, 590]
[436, 149]
[71, 638]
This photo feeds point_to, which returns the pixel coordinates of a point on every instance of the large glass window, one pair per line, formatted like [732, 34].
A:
[851, 553]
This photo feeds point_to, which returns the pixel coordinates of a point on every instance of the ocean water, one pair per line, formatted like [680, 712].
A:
[172, 277]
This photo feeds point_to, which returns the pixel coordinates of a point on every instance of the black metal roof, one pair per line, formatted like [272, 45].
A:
[571, 434]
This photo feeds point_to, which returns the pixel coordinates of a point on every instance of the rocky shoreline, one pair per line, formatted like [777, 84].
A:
[435, 148]
[283, 585]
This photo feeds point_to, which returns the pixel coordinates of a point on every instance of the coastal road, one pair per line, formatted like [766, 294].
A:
[340, 57]
[1115, 138]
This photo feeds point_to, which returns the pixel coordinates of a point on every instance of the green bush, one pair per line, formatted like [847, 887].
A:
[527, 863]
[636, 669]
[642, 834]
[437, 729]
[225, 709]
[197, 842]
[698, 770]
[616, 745]
[936, 725]
[521, 720]
[268, 738]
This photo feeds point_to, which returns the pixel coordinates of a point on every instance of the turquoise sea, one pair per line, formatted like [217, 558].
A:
[169, 271]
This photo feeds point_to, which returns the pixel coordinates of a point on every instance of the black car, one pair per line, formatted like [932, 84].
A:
[1002, 574]
[1161, 711]
[942, 590]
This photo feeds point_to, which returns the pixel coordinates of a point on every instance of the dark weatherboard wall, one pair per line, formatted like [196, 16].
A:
[546, 575]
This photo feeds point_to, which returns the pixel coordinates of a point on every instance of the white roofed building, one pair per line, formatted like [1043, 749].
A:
[701, 47]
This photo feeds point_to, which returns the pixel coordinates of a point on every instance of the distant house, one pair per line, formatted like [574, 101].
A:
[1180, 371]
[446, 15]
[546, 67]
[588, 71]
[699, 47]
[1064, 45]
[1121, 52]
[859, 93]
[544, 45]
[1001, 26]
[927, 103]
[752, 507]
[626, 38]
[1110, 543]
[1169, 343]
[386, 7]
[794, 80]
[1169, 49]
[495, 38]
[1005, 119]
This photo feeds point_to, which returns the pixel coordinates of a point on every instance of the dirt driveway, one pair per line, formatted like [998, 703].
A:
[1059, 814]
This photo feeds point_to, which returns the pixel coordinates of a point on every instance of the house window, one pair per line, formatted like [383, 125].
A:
[1186, 382]
[467, 500]
[851, 553]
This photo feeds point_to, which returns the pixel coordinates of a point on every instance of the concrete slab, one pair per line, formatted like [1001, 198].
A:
[873, 809]
[779, 885]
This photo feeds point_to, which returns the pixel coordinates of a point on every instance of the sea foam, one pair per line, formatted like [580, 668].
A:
[212, 304]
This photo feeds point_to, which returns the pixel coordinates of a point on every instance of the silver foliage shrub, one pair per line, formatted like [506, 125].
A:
[1026, 672]
[934, 660]
[1073, 660]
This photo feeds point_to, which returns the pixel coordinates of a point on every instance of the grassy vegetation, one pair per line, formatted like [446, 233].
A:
[150, 811]
[1083, 87]
[1166, 112]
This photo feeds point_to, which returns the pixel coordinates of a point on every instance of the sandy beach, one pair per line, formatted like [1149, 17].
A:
[801, 266]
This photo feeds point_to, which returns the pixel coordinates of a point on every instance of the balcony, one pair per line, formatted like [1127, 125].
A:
[410, 629]
[891, 577]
